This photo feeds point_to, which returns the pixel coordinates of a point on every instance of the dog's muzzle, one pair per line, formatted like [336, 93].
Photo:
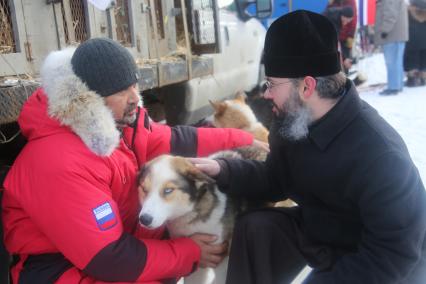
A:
[145, 219]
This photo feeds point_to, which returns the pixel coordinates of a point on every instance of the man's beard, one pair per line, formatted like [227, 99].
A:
[294, 118]
[127, 119]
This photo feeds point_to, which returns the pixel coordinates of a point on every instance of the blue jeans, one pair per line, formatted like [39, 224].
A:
[394, 54]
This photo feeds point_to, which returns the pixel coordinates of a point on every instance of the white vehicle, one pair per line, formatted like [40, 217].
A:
[237, 67]
[188, 51]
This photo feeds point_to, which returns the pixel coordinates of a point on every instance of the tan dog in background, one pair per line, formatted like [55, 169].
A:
[236, 113]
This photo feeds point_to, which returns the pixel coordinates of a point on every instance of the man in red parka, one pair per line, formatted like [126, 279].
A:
[70, 203]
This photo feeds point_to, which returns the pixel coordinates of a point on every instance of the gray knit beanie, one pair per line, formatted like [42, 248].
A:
[105, 66]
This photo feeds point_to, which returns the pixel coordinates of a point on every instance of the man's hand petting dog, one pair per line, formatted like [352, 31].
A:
[211, 254]
[212, 168]
[208, 166]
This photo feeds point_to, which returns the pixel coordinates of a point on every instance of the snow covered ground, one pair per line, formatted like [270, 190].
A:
[406, 112]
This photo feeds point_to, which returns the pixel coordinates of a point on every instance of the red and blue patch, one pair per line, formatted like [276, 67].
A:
[104, 216]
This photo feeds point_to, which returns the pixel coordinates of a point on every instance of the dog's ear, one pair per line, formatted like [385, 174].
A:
[189, 170]
[241, 96]
[196, 174]
[141, 174]
[219, 107]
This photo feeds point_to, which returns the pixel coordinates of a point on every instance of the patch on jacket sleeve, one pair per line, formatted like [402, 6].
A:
[105, 217]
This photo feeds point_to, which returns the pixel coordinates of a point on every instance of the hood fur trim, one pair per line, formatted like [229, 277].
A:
[74, 105]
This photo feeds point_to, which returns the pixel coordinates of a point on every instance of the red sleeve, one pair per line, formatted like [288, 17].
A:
[161, 262]
[150, 139]
[211, 140]
[143, 233]
[132, 260]
[189, 141]
[69, 207]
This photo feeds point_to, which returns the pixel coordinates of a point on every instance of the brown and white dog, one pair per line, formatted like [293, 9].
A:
[236, 113]
[176, 193]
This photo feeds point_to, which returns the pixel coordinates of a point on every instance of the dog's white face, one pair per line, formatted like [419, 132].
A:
[168, 188]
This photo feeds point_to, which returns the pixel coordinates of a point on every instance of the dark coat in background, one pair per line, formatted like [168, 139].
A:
[415, 49]
[357, 187]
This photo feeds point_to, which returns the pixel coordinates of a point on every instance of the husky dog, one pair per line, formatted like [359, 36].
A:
[176, 193]
[236, 113]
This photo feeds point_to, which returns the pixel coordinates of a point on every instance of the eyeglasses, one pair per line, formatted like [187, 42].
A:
[269, 85]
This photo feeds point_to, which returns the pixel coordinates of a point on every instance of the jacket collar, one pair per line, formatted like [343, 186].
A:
[72, 103]
[337, 119]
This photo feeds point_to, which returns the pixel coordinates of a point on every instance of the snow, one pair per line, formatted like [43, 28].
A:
[405, 111]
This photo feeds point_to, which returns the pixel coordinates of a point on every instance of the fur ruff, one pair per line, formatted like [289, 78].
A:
[74, 105]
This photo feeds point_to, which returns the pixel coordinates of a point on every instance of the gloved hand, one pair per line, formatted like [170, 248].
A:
[349, 42]
[384, 35]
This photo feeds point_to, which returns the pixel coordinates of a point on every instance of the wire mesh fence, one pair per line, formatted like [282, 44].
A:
[122, 21]
[7, 38]
[74, 20]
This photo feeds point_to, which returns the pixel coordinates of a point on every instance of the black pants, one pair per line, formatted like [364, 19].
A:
[268, 247]
[4, 256]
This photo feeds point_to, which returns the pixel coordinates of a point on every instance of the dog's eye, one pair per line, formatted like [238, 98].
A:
[168, 190]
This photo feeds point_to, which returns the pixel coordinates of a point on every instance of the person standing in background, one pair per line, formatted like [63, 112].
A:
[341, 17]
[415, 50]
[391, 32]
[347, 32]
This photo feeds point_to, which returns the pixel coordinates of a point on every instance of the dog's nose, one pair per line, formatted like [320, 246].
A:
[145, 219]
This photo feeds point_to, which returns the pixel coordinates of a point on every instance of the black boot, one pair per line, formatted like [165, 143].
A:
[410, 82]
[422, 78]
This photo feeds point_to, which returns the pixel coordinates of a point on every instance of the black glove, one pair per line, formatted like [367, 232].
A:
[384, 35]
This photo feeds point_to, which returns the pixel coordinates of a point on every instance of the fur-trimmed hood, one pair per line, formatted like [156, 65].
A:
[74, 105]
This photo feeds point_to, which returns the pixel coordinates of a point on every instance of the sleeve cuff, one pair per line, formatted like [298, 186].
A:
[222, 179]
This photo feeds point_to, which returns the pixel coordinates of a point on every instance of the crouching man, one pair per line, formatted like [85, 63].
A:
[362, 205]
[70, 205]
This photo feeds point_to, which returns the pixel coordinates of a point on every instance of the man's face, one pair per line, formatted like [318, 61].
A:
[292, 114]
[278, 91]
[124, 105]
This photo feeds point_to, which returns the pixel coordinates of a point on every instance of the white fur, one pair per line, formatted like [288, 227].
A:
[180, 219]
[74, 105]
[153, 204]
[182, 226]
[247, 113]
[245, 109]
